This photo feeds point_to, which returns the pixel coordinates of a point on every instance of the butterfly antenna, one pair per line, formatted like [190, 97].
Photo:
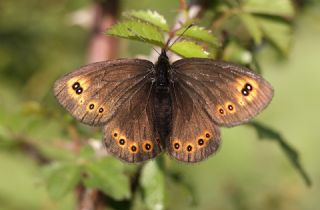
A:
[143, 39]
[178, 38]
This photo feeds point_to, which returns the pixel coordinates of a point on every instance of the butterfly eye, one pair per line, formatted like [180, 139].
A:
[115, 134]
[75, 85]
[208, 135]
[147, 146]
[122, 141]
[230, 108]
[189, 148]
[176, 145]
[91, 106]
[245, 92]
[248, 87]
[200, 142]
[133, 148]
[79, 90]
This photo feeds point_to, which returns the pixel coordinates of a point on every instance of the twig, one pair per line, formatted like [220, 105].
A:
[101, 47]
[30, 148]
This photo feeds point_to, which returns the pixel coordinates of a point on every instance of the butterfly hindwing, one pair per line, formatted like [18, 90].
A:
[230, 94]
[93, 93]
[194, 136]
[130, 134]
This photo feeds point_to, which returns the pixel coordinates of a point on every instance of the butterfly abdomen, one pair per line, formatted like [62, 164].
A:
[162, 110]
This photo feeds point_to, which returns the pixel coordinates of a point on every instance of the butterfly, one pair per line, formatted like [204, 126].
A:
[147, 108]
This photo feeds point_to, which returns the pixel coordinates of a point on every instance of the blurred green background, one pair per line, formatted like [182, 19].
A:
[39, 42]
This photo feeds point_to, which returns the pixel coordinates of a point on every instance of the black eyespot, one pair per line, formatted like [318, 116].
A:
[221, 111]
[200, 142]
[79, 90]
[245, 92]
[230, 107]
[147, 146]
[176, 145]
[75, 85]
[133, 148]
[207, 135]
[115, 134]
[189, 148]
[122, 142]
[248, 87]
[101, 110]
[91, 106]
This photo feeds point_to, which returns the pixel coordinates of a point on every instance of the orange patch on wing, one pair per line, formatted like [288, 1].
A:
[83, 82]
[133, 148]
[189, 147]
[176, 144]
[147, 146]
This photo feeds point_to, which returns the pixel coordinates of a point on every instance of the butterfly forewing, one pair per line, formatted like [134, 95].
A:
[230, 94]
[93, 93]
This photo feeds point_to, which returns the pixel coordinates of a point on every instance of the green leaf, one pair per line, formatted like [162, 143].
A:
[152, 181]
[189, 49]
[277, 32]
[235, 53]
[199, 33]
[62, 178]
[149, 16]
[5, 138]
[107, 174]
[265, 132]
[139, 31]
[252, 26]
[282, 8]
[87, 152]
[182, 185]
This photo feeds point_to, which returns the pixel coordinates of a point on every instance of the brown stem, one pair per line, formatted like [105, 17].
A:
[29, 147]
[101, 47]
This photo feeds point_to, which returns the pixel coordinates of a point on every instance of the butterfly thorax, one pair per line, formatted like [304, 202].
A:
[162, 111]
[162, 67]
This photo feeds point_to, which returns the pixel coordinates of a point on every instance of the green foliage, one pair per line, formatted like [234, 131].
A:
[153, 185]
[62, 178]
[151, 17]
[283, 8]
[148, 26]
[107, 174]
[189, 49]
[198, 33]
[265, 132]
[38, 45]
[137, 31]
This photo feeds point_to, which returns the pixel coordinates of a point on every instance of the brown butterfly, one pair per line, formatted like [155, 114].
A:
[148, 108]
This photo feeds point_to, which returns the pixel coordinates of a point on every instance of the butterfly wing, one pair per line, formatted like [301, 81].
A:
[229, 94]
[93, 93]
[194, 135]
[130, 135]
[115, 94]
